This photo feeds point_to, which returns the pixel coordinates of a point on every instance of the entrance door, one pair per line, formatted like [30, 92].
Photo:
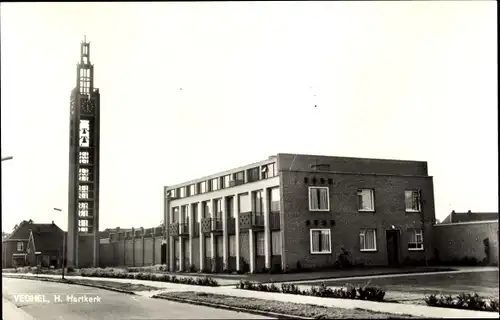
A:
[392, 247]
[163, 253]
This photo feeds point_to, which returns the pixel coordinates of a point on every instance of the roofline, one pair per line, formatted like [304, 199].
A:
[356, 158]
[222, 173]
[467, 222]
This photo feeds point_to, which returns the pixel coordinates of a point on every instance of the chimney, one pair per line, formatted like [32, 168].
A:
[52, 222]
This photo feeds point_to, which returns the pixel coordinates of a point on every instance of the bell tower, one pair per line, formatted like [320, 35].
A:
[83, 187]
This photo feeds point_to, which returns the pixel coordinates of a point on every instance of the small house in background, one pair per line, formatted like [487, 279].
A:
[32, 244]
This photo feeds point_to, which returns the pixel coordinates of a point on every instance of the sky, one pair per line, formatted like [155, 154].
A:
[398, 80]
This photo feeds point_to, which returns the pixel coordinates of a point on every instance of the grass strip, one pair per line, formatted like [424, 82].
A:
[286, 308]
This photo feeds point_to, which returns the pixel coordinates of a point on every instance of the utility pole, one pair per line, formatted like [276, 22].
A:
[63, 248]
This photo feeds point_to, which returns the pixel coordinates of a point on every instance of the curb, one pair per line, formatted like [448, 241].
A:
[71, 282]
[236, 309]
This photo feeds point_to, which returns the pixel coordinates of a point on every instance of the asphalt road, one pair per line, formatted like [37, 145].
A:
[484, 283]
[49, 301]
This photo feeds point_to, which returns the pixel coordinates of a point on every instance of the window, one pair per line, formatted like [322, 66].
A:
[206, 209]
[253, 174]
[260, 244]
[244, 203]
[368, 240]
[208, 247]
[320, 240]
[192, 190]
[319, 199]
[202, 187]
[225, 181]
[274, 199]
[257, 202]
[366, 200]
[218, 209]
[196, 216]
[412, 200]
[184, 215]
[173, 193]
[269, 170]
[20, 246]
[416, 241]
[214, 184]
[229, 207]
[219, 243]
[83, 192]
[276, 243]
[175, 214]
[232, 246]
[83, 174]
[239, 176]
[182, 192]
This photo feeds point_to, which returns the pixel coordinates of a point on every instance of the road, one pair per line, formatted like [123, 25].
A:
[485, 283]
[112, 305]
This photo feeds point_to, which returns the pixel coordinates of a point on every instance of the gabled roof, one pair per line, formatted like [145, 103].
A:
[47, 236]
[469, 216]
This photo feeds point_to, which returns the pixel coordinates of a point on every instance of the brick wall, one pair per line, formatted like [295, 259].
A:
[457, 241]
[138, 262]
[106, 254]
[357, 165]
[85, 251]
[389, 210]
[148, 251]
[129, 252]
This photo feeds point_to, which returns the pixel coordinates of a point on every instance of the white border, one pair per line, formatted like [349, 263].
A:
[375, 240]
[311, 245]
[309, 198]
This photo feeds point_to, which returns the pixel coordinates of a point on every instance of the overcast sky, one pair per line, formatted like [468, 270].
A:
[402, 80]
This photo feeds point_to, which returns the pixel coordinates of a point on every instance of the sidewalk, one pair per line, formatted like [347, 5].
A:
[387, 307]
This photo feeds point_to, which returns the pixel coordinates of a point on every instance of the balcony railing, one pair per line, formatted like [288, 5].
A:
[217, 225]
[173, 229]
[251, 220]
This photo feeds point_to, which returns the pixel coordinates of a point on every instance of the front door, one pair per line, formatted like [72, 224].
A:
[392, 247]
[163, 253]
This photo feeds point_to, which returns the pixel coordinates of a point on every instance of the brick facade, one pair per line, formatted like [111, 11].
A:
[388, 186]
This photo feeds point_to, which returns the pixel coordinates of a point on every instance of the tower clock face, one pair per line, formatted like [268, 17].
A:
[87, 106]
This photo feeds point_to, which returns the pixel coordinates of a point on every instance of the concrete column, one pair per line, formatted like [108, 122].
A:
[252, 250]
[143, 248]
[267, 228]
[225, 240]
[251, 242]
[236, 210]
[191, 231]
[133, 247]
[212, 236]
[154, 246]
[202, 237]
[181, 242]
[171, 254]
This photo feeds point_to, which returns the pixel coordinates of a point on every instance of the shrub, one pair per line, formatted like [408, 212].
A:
[371, 293]
[244, 266]
[70, 269]
[192, 268]
[462, 301]
[290, 288]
